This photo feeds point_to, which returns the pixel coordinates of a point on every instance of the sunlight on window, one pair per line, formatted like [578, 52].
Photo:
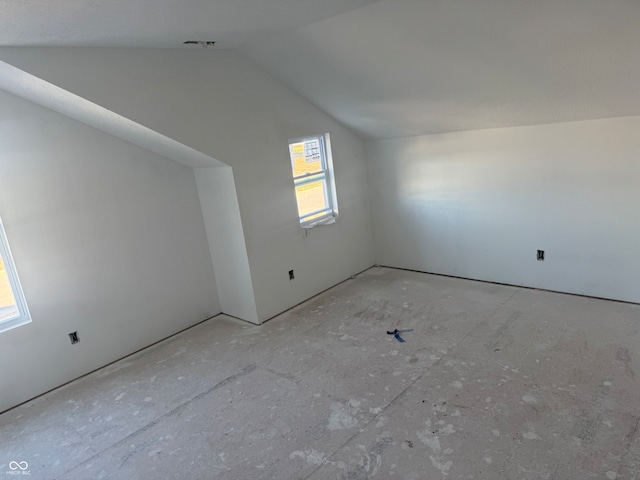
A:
[8, 306]
[311, 198]
[13, 306]
[312, 179]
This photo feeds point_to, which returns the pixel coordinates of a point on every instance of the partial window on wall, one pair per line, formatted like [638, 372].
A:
[13, 307]
[313, 180]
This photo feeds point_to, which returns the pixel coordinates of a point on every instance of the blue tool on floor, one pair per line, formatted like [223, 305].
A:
[396, 333]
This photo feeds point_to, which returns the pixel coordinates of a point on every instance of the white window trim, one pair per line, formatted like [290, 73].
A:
[23, 311]
[327, 174]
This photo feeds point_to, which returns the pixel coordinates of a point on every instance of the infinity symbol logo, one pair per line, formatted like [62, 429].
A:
[15, 465]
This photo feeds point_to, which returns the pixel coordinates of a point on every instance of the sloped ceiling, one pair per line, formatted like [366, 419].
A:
[41, 92]
[388, 68]
[411, 67]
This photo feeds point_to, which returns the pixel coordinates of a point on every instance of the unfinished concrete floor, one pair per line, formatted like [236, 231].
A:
[493, 382]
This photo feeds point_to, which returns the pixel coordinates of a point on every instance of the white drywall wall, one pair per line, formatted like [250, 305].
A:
[479, 204]
[108, 240]
[224, 106]
[219, 202]
[225, 208]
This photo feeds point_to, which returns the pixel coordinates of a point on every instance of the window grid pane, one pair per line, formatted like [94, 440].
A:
[313, 182]
[306, 157]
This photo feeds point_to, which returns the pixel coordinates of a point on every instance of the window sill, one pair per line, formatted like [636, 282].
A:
[323, 221]
[14, 323]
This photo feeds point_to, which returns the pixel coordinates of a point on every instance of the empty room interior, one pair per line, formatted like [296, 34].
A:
[335, 239]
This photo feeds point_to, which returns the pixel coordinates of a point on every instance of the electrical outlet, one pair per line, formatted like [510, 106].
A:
[291, 275]
[73, 336]
[541, 255]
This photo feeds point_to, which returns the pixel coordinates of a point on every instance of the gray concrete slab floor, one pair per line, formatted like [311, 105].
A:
[493, 382]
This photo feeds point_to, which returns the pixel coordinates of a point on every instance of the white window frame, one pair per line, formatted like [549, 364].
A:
[23, 316]
[326, 175]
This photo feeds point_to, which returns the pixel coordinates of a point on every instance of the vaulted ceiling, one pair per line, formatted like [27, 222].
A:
[410, 67]
[392, 67]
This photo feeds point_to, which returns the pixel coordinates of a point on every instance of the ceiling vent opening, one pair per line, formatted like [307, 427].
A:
[202, 43]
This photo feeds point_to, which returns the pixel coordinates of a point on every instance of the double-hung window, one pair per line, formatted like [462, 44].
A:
[313, 180]
[13, 307]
